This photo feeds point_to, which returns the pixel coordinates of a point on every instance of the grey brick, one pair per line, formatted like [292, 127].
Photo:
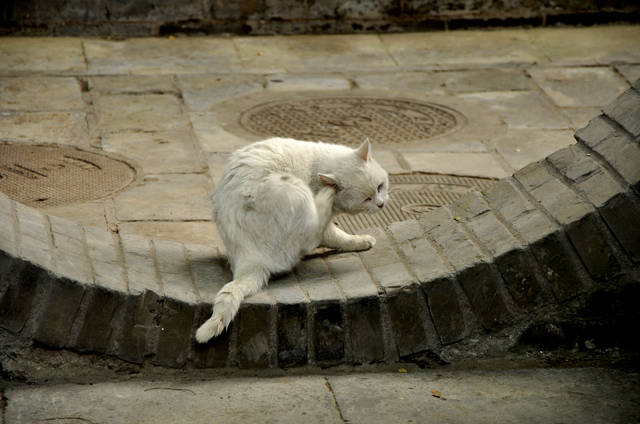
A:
[139, 318]
[479, 218]
[590, 242]
[312, 268]
[180, 286]
[291, 326]
[561, 202]
[557, 266]
[97, 326]
[36, 251]
[138, 257]
[525, 218]
[174, 342]
[412, 329]
[622, 216]
[482, 288]
[446, 310]
[625, 110]
[618, 149]
[73, 266]
[381, 253]
[406, 230]
[109, 275]
[171, 256]
[365, 330]
[209, 269]
[525, 285]
[423, 260]
[328, 332]
[102, 245]
[214, 353]
[255, 346]
[22, 285]
[32, 223]
[321, 290]
[351, 276]
[447, 233]
[586, 174]
[59, 310]
[392, 276]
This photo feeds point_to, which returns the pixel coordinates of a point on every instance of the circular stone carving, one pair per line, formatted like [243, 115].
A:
[349, 120]
[44, 176]
[412, 195]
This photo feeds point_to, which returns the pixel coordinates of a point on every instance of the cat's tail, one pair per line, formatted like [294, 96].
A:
[227, 302]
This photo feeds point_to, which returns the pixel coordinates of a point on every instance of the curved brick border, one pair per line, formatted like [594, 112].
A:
[559, 228]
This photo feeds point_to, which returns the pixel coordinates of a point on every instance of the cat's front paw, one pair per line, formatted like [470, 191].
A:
[365, 242]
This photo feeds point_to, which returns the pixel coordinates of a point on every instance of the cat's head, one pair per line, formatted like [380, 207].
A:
[362, 185]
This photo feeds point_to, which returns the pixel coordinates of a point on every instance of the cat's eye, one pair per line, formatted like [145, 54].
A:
[380, 187]
[368, 199]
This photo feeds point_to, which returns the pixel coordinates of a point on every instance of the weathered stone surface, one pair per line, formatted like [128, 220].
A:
[571, 87]
[291, 326]
[617, 148]
[68, 128]
[201, 92]
[561, 202]
[59, 310]
[416, 82]
[147, 112]
[139, 323]
[510, 104]
[590, 241]
[22, 285]
[59, 55]
[524, 283]
[132, 84]
[482, 288]
[365, 331]
[328, 332]
[293, 82]
[36, 94]
[625, 111]
[558, 266]
[255, 347]
[521, 147]
[622, 216]
[473, 164]
[410, 322]
[478, 80]
[351, 276]
[174, 342]
[586, 175]
[97, 326]
[446, 310]
[525, 218]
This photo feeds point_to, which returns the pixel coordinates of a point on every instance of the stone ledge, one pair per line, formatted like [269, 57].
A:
[559, 230]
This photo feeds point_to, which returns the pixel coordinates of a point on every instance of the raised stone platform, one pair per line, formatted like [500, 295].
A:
[531, 247]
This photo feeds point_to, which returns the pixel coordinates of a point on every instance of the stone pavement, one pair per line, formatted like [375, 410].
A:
[132, 274]
[574, 395]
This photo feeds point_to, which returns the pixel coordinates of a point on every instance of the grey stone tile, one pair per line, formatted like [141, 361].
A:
[211, 137]
[67, 128]
[204, 233]
[201, 92]
[630, 72]
[149, 112]
[597, 45]
[469, 164]
[173, 151]
[166, 197]
[38, 55]
[161, 56]
[579, 87]
[316, 52]
[485, 80]
[511, 105]
[419, 83]
[299, 82]
[579, 117]
[37, 94]
[521, 147]
[132, 84]
[451, 49]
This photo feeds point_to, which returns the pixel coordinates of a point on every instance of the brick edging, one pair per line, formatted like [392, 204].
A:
[558, 229]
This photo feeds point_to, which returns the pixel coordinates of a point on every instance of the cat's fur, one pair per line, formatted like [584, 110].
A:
[274, 204]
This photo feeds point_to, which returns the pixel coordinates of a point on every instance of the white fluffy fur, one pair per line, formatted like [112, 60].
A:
[274, 204]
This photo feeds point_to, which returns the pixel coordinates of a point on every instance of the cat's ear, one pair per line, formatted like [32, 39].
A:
[364, 151]
[329, 180]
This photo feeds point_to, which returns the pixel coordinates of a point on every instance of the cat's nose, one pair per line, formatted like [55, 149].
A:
[381, 205]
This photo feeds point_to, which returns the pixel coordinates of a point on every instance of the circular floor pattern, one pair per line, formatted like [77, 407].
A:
[412, 195]
[349, 120]
[44, 176]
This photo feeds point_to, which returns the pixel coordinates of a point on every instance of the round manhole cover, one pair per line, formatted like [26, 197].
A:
[349, 120]
[43, 176]
[412, 195]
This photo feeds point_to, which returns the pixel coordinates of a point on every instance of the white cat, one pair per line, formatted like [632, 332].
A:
[274, 204]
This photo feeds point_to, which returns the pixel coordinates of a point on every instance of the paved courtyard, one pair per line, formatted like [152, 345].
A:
[171, 107]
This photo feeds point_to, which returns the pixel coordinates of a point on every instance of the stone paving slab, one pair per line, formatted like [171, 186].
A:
[574, 395]
[460, 268]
